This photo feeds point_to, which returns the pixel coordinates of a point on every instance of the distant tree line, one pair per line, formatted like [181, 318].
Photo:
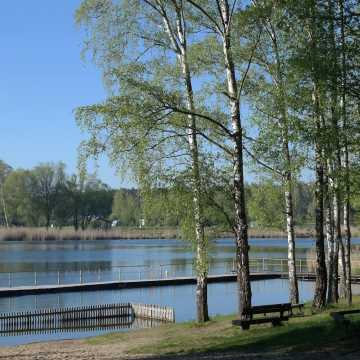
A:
[47, 196]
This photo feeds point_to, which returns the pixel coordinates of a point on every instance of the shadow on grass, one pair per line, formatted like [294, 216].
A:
[317, 334]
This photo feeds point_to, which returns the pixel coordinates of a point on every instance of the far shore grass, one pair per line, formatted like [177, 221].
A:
[312, 332]
[37, 233]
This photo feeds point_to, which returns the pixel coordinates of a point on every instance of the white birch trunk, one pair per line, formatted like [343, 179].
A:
[329, 226]
[287, 172]
[347, 230]
[178, 40]
[241, 227]
[4, 206]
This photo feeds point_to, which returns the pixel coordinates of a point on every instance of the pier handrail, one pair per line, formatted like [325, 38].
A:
[141, 272]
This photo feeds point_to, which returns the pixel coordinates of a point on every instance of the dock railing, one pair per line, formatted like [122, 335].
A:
[144, 272]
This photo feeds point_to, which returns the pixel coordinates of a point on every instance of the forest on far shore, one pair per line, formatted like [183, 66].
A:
[47, 196]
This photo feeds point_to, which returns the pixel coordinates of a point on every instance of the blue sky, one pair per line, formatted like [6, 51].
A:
[42, 80]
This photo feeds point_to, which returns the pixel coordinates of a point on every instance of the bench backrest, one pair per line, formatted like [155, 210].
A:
[272, 308]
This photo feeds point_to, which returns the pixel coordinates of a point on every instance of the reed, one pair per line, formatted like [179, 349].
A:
[42, 234]
[355, 259]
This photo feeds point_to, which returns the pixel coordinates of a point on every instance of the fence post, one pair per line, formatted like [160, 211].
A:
[300, 269]
[119, 271]
[58, 277]
[10, 280]
[81, 276]
[263, 264]
[35, 278]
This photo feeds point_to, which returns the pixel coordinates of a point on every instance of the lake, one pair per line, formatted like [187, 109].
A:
[109, 259]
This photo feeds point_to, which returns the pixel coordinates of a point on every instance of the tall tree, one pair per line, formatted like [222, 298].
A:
[271, 93]
[5, 170]
[170, 16]
[46, 180]
[347, 230]
[219, 17]
[320, 269]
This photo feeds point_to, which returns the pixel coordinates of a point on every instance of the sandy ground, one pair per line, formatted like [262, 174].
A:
[79, 350]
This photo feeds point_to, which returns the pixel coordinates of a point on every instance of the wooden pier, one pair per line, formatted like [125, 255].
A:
[95, 317]
[125, 284]
[132, 284]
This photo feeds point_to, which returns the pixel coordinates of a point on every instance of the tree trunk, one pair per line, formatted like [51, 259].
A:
[241, 227]
[76, 219]
[287, 173]
[342, 273]
[201, 244]
[329, 226]
[337, 235]
[334, 165]
[338, 270]
[320, 268]
[4, 206]
[294, 291]
[347, 249]
[347, 253]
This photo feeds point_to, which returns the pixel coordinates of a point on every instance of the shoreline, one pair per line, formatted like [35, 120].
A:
[41, 234]
[312, 336]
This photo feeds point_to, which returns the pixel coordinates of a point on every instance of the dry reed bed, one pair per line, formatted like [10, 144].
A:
[355, 259]
[41, 234]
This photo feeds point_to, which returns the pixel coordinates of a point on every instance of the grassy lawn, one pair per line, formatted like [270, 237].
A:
[310, 332]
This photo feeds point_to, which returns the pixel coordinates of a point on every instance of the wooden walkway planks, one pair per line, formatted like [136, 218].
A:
[129, 284]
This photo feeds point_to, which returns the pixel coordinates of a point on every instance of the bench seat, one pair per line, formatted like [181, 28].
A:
[275, 320]
[283, 313]
[339, 316]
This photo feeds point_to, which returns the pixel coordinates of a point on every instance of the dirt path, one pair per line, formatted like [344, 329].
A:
[80, 350]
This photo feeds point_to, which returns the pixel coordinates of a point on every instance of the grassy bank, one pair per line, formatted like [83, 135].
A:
[312, 332]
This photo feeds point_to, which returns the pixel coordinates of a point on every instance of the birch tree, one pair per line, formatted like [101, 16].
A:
[5, 170]
[178, 39]
[160, 129]
[218, 16]
[214, 124]
[276, 126]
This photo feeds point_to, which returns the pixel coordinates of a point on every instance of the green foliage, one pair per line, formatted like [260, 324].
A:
[46, 196]
[266, 205]
[18, 200]
[126, 209]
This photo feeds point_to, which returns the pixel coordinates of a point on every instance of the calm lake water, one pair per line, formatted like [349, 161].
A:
[101, 257]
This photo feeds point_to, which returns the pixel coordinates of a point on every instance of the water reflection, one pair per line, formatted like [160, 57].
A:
[97, 258]
[111, 260]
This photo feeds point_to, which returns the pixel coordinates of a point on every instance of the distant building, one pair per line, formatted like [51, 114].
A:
[142, 223]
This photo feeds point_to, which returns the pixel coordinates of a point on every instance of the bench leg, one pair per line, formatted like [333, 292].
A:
[339, 318]
[245, 326]
[276, 322]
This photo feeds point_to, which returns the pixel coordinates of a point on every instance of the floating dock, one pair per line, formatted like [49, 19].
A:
[133, 284]
[125, 284]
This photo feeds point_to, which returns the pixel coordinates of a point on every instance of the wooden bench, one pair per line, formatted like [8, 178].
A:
[279, 313]
[339, 316]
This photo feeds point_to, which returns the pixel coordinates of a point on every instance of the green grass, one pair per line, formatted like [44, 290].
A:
[311, 332]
